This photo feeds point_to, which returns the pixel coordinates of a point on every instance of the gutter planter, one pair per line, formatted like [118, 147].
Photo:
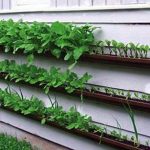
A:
[110, 59]
[103, 97]
[97, 96]
[100, 58]
[106, 98]
[80, 42]
[97, 137]
[114, 59]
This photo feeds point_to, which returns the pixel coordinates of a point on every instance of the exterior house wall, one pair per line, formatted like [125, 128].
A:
[124, 25]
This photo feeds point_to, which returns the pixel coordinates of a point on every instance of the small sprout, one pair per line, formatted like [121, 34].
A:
[125, 137]
[128, 95]
[144, 97]
[99, 89]
[136, 94]
[146, 49]
[101, 47]
[93, 89]
[118, 92]
[114, 92]
[108, 43]
[120, 48]
[126, 50]
[132, 138]
[122, 93]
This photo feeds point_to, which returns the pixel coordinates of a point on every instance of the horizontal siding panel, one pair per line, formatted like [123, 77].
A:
[125, 33]
[122, 16]
[126, 2]
[143, 1]
[53, 3]
[113, 2]
[30, 4]
[84, 3]
[99, 2]
[73, 3]
[62, 3]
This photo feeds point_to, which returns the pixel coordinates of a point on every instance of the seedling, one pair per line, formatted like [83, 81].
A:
[123, 50]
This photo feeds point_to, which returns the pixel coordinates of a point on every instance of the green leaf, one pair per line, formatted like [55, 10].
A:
[68, 55]
[47, 90]
[72, 65]
[43, 121]
[17, 80]
[7, 49]
[64, 43]
[114, 43]
[56, 52]
[78, 52]
[58, 28]
[71, 126]
[30, 59]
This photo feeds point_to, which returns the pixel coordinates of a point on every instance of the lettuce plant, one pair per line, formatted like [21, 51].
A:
[70, 119]
[58, 39]
[52, 78]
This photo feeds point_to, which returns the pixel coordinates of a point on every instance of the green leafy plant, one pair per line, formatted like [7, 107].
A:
[8, 142]
[58, 39]
[61, 40]
[70, 119]
[126, 94]
[52, 78]
[121, 49]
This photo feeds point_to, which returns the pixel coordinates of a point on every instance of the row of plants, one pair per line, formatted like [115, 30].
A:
[67, 80]
[52, 78]
[126, 94]
[58, 39]
[62, 40]
[8, 142]
[70, 119]
[116, 48]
